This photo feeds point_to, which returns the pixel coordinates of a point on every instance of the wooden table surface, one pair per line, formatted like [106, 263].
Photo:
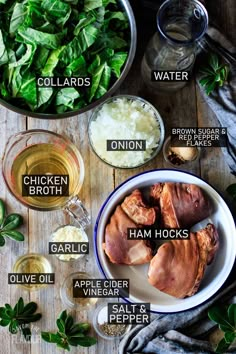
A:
[184, 108]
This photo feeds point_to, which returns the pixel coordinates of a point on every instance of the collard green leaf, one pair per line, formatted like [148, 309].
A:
[14, 235]
[117, 62]
[52, 62]
[77, 67]
[79, 44]
[28, 89]
[85, 19]
[104, 82]
[107, 2]
[95, 64]
[44, 95]
[41, 57]
[66, 97]
[26, 58]
[32, 36]
[12, 221]
[18, 16]
[58, 10]
[16, 81]
[3, 51]
[92, 4]
[109, 40]
[95, 81]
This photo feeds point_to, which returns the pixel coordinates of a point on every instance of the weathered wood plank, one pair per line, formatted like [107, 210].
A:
[41, 225]
[11, 123]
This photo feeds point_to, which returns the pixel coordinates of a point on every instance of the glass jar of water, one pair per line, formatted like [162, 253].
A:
[180, 25]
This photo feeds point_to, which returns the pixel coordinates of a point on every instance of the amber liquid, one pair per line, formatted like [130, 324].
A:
[32, 263]
[45, 159]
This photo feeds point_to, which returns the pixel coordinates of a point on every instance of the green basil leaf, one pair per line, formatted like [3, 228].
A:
[79, 328]
[3, 314]
[77, 335]
[230, 337]
[4, 322]
[61, 325]
[15, 235]
[222, 346]
[73, 341]
[50, 337]
[232, 314]
[211, 87]
[220, 316]
[214, 61]
[63, 316]
[29, 318]
[12, 221]
[86, 341]
[30, 308]
[13, 327]
[63, 345]
[68, 324]
[2, 241]
[10, 309]
[19, 306]
[2, 211]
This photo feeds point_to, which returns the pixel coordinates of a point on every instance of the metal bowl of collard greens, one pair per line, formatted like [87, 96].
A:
[61, 39]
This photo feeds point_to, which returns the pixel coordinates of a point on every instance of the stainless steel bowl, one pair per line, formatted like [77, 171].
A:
[133, 42]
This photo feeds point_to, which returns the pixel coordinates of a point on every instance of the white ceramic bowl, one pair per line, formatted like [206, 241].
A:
[140, 289]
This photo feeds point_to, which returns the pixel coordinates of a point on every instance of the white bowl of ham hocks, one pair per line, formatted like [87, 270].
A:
[177, 274]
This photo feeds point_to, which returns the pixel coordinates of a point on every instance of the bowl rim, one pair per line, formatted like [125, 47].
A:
[131, 98]
[131, 55]
[95, 236]
[100, 306]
